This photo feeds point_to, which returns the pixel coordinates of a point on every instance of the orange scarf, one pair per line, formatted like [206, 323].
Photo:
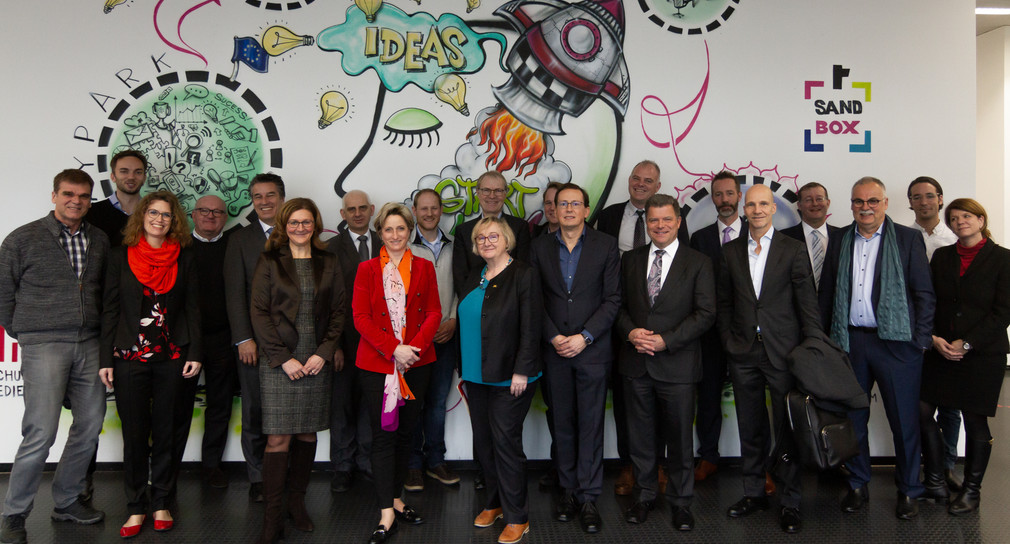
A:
[156, 268]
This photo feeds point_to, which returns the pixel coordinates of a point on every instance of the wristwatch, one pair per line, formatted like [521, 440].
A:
[966, 346]
[587, 339]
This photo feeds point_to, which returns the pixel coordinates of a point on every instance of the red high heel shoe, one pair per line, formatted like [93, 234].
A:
[130, 531]
[162, 525]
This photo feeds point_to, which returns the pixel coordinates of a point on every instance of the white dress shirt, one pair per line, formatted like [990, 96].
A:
[735, 227]
[670, 250]
[807, 237]
[626, 236]
[942, 236]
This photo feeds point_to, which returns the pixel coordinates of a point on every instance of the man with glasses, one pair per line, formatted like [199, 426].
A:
[877, 303]
[219, 366]
[579, 271]
[813, 229]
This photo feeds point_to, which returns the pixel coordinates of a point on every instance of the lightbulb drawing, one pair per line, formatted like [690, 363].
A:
[472, 5]
[451, 89]
[369, 7]
[109, 4]
[332, 106]
[278, 40]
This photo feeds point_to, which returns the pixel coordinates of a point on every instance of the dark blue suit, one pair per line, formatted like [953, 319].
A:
[896, 367]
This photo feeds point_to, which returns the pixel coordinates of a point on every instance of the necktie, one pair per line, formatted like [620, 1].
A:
[817, 256]
[725, 235]
[362, 248]
[655, 275]
[639, 239]
[270, 231]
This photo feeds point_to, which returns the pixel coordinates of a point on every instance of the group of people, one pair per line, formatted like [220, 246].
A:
[362, 334]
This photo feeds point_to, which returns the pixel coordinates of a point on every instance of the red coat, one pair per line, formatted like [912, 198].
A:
[371, 318]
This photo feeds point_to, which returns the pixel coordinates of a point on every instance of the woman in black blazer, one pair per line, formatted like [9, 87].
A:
[297, 313]
[499, 317]
[150, 343]
[965, 368]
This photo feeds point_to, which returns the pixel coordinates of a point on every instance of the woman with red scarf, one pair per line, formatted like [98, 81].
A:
[150, 343]
[965, 368]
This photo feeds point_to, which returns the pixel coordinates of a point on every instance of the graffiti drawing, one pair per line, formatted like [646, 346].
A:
[413, 122]
[256, 53]
[690, 17]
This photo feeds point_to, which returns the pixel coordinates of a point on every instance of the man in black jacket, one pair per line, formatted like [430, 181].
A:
[813, 229]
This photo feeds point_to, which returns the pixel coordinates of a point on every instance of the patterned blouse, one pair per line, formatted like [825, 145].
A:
[154, 342]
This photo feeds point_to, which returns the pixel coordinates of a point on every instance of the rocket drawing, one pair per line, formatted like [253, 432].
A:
[568, 56]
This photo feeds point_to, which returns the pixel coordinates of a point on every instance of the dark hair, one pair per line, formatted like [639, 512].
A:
[660, 200]
[179, 231]
[128, 153]
[556, 185]
[418, 194]
[268, 177]
[809, 186]
[931, 181]
[726, 174]
[74, 177]
[570, 185]
[279, 236]
[973, 207]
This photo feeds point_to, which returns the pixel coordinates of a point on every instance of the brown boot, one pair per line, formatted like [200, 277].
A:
[513, 533]
[303, 454]
[625, 482]
[275, 471]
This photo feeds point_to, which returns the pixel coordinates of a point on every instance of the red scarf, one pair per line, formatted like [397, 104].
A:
[968, 254]
[156, 268]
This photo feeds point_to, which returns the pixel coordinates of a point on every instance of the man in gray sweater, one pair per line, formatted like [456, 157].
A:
[51, 273]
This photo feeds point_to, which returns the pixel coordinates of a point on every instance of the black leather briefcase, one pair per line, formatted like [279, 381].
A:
[823, 439]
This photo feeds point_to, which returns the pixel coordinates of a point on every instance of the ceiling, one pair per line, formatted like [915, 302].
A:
[985, 23]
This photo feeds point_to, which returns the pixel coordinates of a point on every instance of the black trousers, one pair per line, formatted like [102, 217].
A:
[350, 431]
[497, 420]
[391, 449]
[713, 376]
[220, 376]
[148, 395]
[654, 404]
[578, 402]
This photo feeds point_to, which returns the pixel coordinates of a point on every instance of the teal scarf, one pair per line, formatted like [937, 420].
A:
[891, 312]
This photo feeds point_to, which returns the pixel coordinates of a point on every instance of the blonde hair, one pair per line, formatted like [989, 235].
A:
[393, 208]
[484, 224]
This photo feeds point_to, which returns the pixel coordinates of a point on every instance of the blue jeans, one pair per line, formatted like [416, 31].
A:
[50, 372]
[429, 438]
[950, 424]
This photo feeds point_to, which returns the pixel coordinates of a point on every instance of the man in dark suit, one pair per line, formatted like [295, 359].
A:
[669, 301]
[128, 171]
[244, 249]
[491, 190]
[725, 192]
[813, 229]
[579, 271]
[767, 306]
[877, 301]
[350, 432]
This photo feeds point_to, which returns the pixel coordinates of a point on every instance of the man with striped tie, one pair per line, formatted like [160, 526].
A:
[813, 229]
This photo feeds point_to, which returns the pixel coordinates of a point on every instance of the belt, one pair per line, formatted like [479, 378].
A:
[867, 330]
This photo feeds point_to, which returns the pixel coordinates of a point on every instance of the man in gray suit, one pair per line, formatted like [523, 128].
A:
[244, 249]
[668, 303]
[767, 306]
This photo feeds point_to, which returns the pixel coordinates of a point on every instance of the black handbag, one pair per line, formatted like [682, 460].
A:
[824, 439]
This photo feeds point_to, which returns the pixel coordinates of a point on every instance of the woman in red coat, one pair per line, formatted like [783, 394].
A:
[397, 311]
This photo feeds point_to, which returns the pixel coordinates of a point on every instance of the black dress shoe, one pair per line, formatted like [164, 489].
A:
[639, 512]
[589, 517]
[408, 516]
[907, 507]
[478, 481]
[747, 506]
[381, 533]
[341, 482]
[683, 520]
[566, 508]
[256, 492]
[855, 499]
[789, 520]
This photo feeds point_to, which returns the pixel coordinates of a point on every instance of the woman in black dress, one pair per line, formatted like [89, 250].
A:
[297, 313]
[965, 368]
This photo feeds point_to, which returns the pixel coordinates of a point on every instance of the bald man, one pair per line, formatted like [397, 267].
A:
[767, 305]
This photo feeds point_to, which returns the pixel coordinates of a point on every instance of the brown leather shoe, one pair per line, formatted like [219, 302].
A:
[769, 484]
[662, 479]
[704, 470]
[625, 482]
[487, 518]
[513, 533]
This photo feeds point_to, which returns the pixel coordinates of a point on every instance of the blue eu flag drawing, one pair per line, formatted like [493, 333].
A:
[249, 52]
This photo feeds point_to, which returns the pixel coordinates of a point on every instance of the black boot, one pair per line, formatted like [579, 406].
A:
[275, 471]
[975, 461]
[932, 458]
[303, 454]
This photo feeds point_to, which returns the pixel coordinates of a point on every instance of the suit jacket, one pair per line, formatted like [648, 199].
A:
[371, 318]
[345, 247]
[974, 307]
[609, 221]
[918, 283]
[708, 241]
[123, 298]
[464, 259]
[109, 219]
[244, 249]
[510, 322]
[276, 296]
[796, 231]
[786, 310]
[594, 299]
[684, 310]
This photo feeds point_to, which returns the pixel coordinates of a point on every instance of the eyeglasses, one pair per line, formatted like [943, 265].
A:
[493, 238]
[487, 191]
[575, 204]
[207, 212]
[873, 202]
[154, 214]
[307, 224]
